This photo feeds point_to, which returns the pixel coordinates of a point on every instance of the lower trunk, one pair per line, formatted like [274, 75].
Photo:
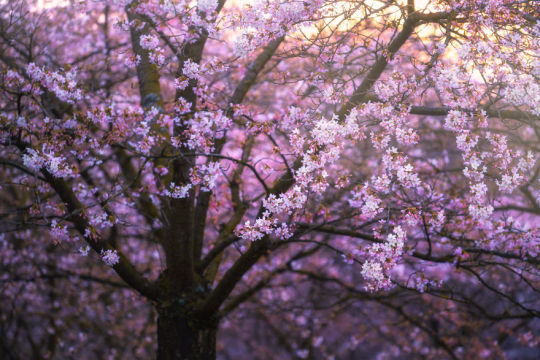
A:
[181, 338]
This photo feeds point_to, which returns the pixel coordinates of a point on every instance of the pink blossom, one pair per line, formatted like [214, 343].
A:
[110, 257]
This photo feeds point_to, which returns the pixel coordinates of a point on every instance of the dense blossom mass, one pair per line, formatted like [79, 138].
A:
[270, 179]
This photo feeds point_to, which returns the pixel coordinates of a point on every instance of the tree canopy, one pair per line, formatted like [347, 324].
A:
[269, 179]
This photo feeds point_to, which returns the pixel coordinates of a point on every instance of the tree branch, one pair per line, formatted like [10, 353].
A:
[233, 275]
[123, 268]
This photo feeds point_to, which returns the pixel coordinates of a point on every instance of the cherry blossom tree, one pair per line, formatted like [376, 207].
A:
[269, 179]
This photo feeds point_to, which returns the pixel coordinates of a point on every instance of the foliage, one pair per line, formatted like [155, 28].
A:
[315, 179]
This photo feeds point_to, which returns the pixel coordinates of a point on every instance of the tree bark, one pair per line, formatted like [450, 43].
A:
[183, 337]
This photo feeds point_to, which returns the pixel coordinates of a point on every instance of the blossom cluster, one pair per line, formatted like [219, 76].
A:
[203, 128]
[262, 21]
[54, 164]
[321, 147]
[265, 225]
[268, 224]
[110, 257]
[381, 258]
[207, 6]
[512, 165]
[177, 191]
[62, 84]
[205, 176]
[155, 52]
[59, 232]
[367, 201]
[395, 88]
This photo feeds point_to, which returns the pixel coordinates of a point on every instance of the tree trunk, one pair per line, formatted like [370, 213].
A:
[184, 338]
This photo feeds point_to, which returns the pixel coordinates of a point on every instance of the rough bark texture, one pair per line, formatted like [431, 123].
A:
[183, 337]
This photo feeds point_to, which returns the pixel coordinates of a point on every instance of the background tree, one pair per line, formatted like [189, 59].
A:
[276, 179]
